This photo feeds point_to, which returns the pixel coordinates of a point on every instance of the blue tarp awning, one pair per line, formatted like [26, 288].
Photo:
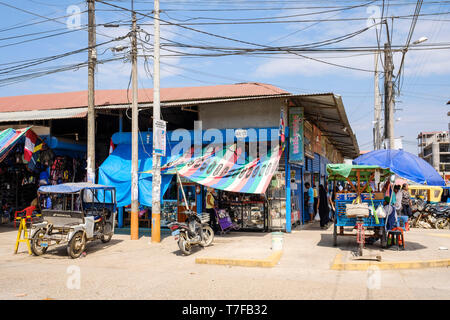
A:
[116, 171]
[404, 164]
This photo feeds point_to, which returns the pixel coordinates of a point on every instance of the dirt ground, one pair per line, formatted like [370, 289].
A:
[126, 269]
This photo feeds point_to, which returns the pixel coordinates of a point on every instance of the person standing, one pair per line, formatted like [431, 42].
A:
[211, 208]
[398, 199]
[310, 209]
[406, 201]
[316, 198]
[322, 207]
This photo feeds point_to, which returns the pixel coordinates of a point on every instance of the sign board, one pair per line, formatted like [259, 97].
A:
[159, 139]
[308, 139]
[296, 153]
[240, 133]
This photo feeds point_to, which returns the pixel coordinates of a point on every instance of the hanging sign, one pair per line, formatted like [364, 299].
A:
[159, 140]
[296, 153]
[308, 139]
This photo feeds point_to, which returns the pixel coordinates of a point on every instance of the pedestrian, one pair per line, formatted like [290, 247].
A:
[391, 216]
[322, 207]
[397, 202]
[316, 198]
[406, 201]
[310, 209]
[333, 201]
[211, 208]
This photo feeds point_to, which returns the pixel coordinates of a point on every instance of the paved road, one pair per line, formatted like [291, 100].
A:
[125, 269]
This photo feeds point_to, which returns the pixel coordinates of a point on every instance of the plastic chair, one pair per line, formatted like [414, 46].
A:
[26, 213]
[396, 236]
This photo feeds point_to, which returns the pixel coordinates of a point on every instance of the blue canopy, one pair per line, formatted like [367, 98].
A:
[71, 187]
[404, 164]
[116, 171]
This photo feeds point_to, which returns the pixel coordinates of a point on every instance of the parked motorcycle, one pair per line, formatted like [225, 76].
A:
[443, 220]
[194, 231]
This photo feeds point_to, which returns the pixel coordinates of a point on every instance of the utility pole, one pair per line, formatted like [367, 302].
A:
[377, 107]
[388, 96]
[156, 182]
[134, 229]
[92, 58]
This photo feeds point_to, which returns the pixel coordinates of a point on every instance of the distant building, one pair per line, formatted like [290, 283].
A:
[434, 147]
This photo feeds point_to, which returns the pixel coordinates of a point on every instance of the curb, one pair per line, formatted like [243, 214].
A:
[439, 235]
[269, 262]
[355, 266]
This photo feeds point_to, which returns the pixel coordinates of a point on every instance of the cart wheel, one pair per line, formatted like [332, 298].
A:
[383, 238]
[76, 245]
[107, 237]
[36, 243]
[360, 249]
[335, 235]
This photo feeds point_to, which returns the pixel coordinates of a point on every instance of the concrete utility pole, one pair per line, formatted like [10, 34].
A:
[389, 103]
[134, 229]
[92, 58]
[377, 108]
[156, 182]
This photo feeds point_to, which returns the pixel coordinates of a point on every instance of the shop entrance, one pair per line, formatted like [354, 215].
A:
[190, 193]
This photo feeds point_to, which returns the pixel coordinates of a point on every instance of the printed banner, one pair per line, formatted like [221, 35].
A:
[309, 152]
[220, 169]
[296, 154]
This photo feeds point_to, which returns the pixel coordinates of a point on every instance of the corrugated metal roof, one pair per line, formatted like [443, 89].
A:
[43, 114]
[115, 97]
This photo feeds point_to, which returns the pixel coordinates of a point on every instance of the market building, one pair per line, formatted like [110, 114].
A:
[317, 132]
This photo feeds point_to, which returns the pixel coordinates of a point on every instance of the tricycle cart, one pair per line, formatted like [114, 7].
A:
[73, 213]
[359, 178]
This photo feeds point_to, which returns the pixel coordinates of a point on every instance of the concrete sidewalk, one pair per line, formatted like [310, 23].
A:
[125, 269]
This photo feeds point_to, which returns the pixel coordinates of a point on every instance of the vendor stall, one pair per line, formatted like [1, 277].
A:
[363, 197]
[27, 161]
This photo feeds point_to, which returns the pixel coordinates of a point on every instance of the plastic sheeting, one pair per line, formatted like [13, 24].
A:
[116, 171]
[404, 164]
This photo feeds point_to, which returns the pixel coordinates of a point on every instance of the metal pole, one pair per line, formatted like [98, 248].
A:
[377, 106]
[134, 232]
[92, 57]
[156, 183]
[388, 97]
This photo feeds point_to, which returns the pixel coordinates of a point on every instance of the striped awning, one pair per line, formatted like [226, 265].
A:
[8, 138]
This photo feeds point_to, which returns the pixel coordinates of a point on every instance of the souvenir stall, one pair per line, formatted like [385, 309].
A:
[27, 161]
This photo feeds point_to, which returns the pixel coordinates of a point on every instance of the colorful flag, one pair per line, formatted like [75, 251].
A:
[30, 141]
[111, 146]
[282, 126]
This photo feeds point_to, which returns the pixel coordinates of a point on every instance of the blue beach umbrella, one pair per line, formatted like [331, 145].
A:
[404, 164]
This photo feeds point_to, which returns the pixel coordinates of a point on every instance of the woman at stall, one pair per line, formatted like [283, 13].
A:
[322, 207]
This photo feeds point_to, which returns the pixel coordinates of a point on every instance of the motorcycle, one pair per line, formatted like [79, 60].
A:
[194, 231]
[443, 220]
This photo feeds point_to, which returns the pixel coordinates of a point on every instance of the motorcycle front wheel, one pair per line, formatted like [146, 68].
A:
[184, 246]
[442, 223]
[208, 236]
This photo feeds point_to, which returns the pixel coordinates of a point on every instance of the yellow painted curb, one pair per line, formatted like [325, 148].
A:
[439, 235]
[384, 265]
[270, 262]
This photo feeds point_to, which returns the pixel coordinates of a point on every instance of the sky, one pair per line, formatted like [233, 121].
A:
[43, 28]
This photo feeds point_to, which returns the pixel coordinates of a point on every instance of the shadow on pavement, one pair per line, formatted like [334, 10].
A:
[348, 243]
[60, 251]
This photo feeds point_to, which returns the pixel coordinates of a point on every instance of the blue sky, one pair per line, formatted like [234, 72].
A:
[424, 93]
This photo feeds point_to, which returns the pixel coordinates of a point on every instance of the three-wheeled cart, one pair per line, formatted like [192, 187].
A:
[359, 178]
